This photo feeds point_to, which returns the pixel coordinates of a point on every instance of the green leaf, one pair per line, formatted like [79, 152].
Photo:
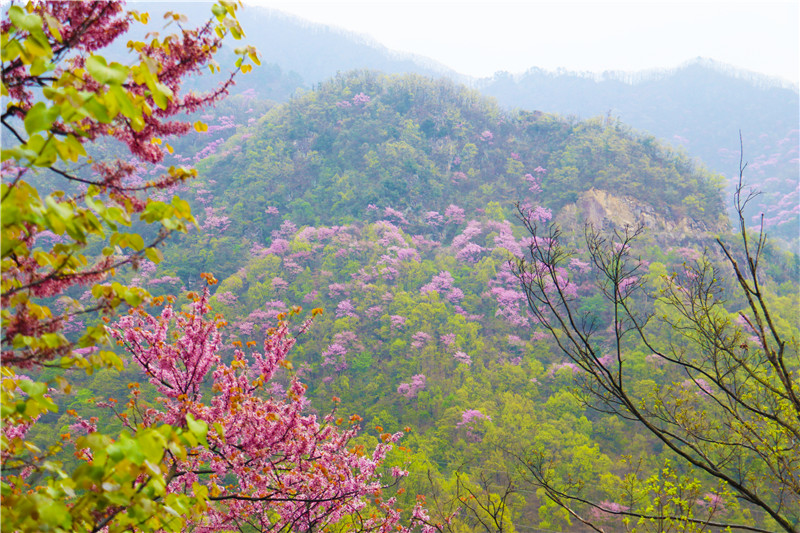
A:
[99, 110]
[54, 512]
[28, 22]
[113, 74]
[110, 359]
[200, 491]
[11, 51]
[19, 153]
[132, 298]
[218, 11]
[64, 210]
[40, 66]
[36, 46]
[198, 428]
[136, 241]
[220, 430]
[152, 444]
[40, 117]
[161, 95]
[54, 25]
[154, 255]
[182, 207]
[44, 152]
[126, 105]
[32, 388]
[130, 449]
[70, 149]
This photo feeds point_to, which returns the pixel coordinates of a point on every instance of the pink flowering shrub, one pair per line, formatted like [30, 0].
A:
[395, 215]
[279, 285]
[420, 339]
[462, 357]
[442, 283]
[454, 215]
[346, 309]
[342, 344]
[433, 218]
[474, 422]
[397, 321]
[511, 302]
[554, 368]
[278, 247]
[261, 457]
[413, 387]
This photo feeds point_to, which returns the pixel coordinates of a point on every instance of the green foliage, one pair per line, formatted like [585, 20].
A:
[60, 97]
[323, 162]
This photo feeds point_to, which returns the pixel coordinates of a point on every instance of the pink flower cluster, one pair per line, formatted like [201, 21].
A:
[412, 388]
[265, 460]
[462, 357]
[474, 422]
[442, 283]
[454, 215]
[420, 339]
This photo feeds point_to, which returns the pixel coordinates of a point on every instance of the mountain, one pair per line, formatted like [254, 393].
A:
[318, 52]
[699, 107]
[297, 53]
[417, 145]
[389, 202]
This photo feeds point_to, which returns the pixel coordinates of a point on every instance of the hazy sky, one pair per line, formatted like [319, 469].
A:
[480, 38]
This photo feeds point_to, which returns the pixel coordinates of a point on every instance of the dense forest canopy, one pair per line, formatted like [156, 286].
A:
[425, 326]
[415, 145]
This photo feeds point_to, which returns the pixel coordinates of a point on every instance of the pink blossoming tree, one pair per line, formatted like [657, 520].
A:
[260, 459]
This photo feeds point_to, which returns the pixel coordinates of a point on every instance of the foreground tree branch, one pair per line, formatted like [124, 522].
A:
[729, 408]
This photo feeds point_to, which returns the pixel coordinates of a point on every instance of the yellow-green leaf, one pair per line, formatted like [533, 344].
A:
[40, 117]
[113, 74]
[154, 255]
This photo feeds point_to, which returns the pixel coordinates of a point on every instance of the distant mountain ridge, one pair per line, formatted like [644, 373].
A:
[699, 106]
[317, 51]
[632, 77]
[314, 52]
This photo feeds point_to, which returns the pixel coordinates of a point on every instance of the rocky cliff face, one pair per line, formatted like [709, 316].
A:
[608, 212]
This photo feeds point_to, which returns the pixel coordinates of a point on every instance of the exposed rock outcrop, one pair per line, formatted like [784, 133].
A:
[608, 212]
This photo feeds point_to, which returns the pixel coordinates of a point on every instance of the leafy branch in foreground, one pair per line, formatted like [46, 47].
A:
[62, 96]
[65, 224]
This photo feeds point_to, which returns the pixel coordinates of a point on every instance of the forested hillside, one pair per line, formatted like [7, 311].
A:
[384, 303]
[699, 107]
[389, 202]
[364, 143]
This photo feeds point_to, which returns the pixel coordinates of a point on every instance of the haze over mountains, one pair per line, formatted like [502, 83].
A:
[700, 106]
